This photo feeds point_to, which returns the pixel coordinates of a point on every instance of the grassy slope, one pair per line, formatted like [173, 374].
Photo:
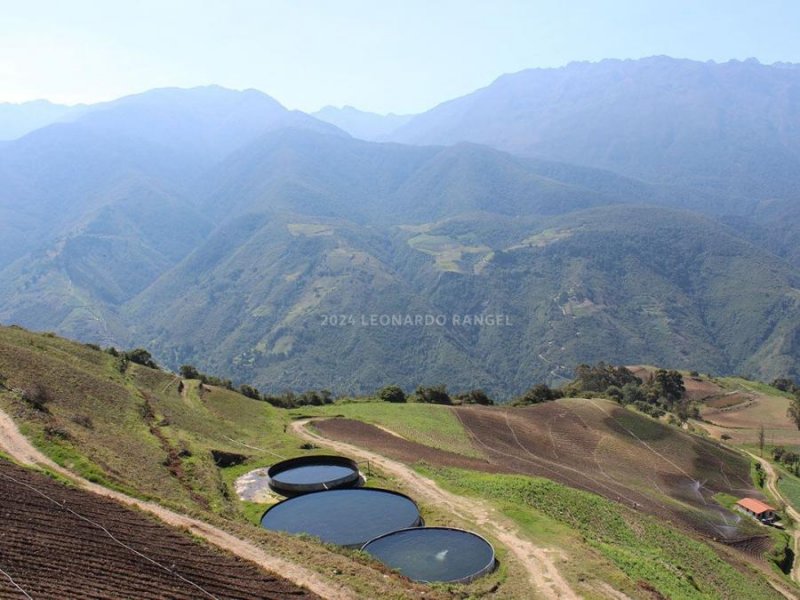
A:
[423, 423]
[645, 550]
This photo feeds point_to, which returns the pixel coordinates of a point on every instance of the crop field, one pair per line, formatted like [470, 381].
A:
[600, 447]
[742, 420]
[737, 408]
[593, 445]
[58, 542]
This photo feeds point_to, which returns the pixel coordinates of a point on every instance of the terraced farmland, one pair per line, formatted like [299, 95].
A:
[57, 542]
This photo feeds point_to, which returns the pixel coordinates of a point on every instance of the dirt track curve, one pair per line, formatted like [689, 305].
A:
[538, 561]
[17, 446]
[772, 486]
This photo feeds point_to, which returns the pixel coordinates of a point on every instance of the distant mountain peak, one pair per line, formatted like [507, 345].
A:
[362, 124]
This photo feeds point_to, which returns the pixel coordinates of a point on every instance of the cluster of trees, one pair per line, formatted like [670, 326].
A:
[436, 394]
[538, 394]
[787, 385]
[140, 356]
[190, 372]
[791, 460]
[289, 399]
[661, 392]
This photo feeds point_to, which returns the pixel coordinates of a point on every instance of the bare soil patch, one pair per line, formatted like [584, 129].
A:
[58, 542]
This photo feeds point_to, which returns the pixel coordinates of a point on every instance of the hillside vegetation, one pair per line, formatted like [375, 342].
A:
[219, 229]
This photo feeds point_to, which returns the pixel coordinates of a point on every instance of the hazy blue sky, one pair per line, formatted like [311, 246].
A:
[401, 56]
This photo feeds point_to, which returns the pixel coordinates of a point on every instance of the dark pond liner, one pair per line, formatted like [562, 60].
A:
[346, 516]
[312, 474]
[434, 554]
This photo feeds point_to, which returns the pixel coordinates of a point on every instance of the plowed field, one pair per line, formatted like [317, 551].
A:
[58, 543]
[594, 445]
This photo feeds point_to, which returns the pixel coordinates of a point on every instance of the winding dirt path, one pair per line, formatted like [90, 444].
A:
[17, 445]
[538, 561]
[772, 486]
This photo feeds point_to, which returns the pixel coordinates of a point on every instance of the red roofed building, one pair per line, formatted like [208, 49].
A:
[757, 509]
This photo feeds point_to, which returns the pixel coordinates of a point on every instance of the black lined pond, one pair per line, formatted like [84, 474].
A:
[312, 474]
[347, 517]
[431, 554]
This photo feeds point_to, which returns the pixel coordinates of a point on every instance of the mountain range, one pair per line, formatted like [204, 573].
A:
[628, 211]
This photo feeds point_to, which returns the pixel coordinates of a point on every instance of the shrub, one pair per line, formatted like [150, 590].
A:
[38, 396]
[141, 357]
[435, 394]
[189, 372]
[392, 393]
[632, 393]
[249, 391]
[56, 432]
[122, 363]
[291, 400]
[83, 421]
[536, 395]
[601, 376]
[650, 409]
[475, 397]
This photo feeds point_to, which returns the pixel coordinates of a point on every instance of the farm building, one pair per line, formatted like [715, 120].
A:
[757, 509]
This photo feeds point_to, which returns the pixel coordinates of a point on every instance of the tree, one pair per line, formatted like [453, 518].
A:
[794, 411]
[249, 391]
[435, 394]
[141, 357]
[536, 395]
[600, 377]
[761, 439]
[784, 384]
[3, 380]
[475, 397]
[632, 393]
[615, 392]
[392, 393]
[189, 372]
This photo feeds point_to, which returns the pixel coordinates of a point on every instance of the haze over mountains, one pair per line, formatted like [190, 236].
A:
[628, 211]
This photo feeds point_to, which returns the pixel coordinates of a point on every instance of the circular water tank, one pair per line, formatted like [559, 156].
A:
[346, 517]
[312, 474]
[434, 554]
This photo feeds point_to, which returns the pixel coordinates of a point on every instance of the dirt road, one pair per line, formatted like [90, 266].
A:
[539, 562]
[772, 486]
[17, 445]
